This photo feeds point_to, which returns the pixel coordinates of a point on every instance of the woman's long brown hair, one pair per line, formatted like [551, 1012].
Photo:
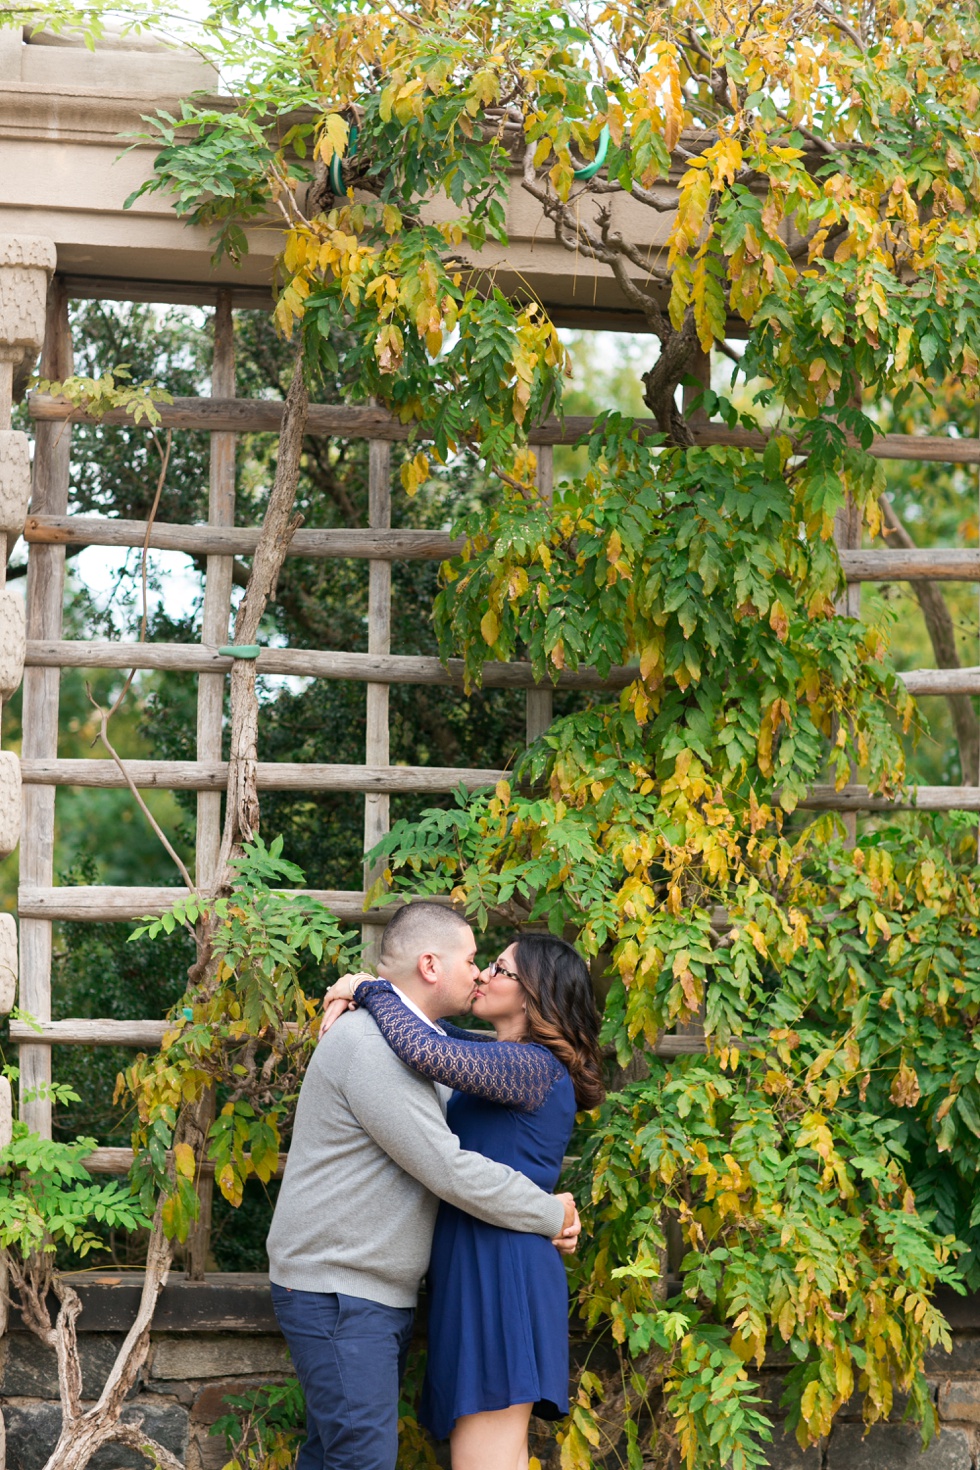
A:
[561, 1010]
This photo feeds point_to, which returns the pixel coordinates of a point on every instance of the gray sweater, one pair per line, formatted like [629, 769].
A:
[370, 1158]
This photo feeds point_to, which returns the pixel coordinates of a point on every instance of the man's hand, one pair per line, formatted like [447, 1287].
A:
[567, 1241]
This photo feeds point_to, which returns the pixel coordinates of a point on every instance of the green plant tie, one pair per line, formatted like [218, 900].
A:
[589, 170]
[240, 650]
[336, 171]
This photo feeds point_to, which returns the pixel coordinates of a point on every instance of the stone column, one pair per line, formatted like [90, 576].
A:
[26, 265]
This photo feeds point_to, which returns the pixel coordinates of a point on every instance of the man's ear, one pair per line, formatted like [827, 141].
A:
[429, 968]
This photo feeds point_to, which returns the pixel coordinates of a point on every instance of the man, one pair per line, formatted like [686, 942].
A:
[370, 1158]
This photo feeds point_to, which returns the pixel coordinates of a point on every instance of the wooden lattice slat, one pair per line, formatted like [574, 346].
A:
[934, 564]
[149, 1034]
[209, 541]
[377, 743]
[264, 416]
[45, 599]
[109, 904]
[540, 703]
[105, 775]
[394, 668]
[217, 599]
[215, 618]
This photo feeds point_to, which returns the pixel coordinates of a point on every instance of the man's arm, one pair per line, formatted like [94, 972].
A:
[401, 1112]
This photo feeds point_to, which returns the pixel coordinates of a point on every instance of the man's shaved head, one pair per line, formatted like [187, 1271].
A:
[420, 928]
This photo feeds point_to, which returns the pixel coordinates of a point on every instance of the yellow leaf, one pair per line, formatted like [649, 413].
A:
[726, 159]
[184, 1160]
[562, 179]
[414, 473]
[332, 140]
[174, 1219]
[388, 348]
[490, 627]
[693, 195]
[786, 1321]
[649, 660]
[230, 1185]
[295, 251]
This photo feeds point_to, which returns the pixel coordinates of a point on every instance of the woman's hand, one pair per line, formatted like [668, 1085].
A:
[332, 1011]
[340, 998]
[567, 1241]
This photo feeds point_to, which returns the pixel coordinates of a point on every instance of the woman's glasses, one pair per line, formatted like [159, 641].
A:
[496, 968]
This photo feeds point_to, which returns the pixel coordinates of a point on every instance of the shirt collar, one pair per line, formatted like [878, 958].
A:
[406, 1000]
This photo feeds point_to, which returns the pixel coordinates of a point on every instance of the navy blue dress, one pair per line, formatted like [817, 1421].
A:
[498, 1299]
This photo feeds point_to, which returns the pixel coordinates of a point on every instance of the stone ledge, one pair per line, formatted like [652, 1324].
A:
[225, 1301]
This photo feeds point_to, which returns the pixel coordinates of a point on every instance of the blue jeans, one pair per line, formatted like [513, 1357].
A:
[349, 1355]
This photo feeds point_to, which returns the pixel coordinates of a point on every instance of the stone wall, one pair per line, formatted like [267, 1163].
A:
[221, 1339]
[180, 1394]
[954, 1379]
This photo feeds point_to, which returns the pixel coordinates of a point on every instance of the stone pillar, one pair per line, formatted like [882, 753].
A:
[26, 266]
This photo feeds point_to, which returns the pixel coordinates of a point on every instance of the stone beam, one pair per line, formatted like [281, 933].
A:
[67, 119]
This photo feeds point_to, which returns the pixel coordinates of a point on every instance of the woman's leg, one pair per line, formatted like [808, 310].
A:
[496, 1440]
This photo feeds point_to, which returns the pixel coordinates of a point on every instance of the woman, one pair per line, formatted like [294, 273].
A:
[498, 1299]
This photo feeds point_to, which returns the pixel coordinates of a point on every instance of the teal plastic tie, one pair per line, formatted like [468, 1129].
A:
[240, 650]
[590, 170]
[336, 172]
[187, 1013]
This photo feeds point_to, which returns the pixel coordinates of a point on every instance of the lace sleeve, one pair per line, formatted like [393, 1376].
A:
[462, 1034]
[509, 1072]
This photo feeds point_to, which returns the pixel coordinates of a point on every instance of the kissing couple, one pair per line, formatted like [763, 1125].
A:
[420, 1149]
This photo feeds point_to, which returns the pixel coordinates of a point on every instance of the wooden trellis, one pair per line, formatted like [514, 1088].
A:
[49, 529]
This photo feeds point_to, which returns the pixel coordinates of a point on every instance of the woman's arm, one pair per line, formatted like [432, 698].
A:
[508, 1072]
[463, 1035]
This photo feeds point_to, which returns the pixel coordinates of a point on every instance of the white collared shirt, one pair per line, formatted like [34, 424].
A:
[443, 1093]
